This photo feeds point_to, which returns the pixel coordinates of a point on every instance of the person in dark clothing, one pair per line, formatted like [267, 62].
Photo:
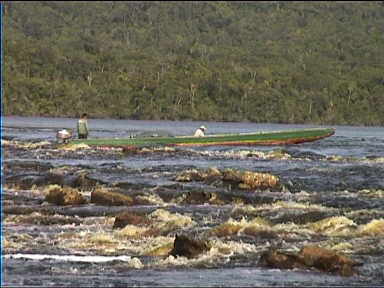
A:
[82, 127]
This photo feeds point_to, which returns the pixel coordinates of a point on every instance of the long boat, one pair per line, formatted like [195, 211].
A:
[242, 139]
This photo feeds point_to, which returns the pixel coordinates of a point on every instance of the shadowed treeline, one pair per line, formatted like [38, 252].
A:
[268, 61]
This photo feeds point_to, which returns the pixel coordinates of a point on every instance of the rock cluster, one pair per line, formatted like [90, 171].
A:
[315, 257]
[242, 179]
[189, 247]
[64, 196]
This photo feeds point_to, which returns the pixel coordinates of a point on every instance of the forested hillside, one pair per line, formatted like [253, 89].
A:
[281, 61]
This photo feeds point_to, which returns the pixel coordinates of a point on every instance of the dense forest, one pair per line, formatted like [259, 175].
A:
[267, 61]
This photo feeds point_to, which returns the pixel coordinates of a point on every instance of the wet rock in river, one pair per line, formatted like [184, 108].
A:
[257, 227]
[275, 259]
[189, 247]
[83, 181]
[64, 196]
[241, 179]
[319, 258]
[251, 180]
[110, 198]
[130, 218]
[199, 175]
[198, 197]
[168, 194]
[327, 260]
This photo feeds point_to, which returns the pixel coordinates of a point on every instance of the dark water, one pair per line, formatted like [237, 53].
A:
[340, 179]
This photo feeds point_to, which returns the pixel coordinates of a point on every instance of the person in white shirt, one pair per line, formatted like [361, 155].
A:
[64, 135]
[200, 132]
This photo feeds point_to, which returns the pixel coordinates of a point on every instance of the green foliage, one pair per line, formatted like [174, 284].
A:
[268, 61]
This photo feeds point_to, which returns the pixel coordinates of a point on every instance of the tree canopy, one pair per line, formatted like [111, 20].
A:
[266, 61]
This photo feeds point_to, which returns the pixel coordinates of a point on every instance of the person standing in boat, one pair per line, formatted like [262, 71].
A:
[200, 132]
[82, 127]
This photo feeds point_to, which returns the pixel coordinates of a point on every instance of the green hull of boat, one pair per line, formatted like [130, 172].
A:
[244, 139]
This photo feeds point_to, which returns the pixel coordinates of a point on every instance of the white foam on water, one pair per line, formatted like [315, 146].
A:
[244, 154]
[219, 254]
[71, 258]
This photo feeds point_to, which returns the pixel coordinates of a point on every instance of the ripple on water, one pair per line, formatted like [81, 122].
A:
[333, 199]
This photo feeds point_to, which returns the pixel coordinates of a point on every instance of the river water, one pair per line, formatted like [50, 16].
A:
[339, 179]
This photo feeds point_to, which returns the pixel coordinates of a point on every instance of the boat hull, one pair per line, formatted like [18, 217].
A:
[256, 142]
[245, 139]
